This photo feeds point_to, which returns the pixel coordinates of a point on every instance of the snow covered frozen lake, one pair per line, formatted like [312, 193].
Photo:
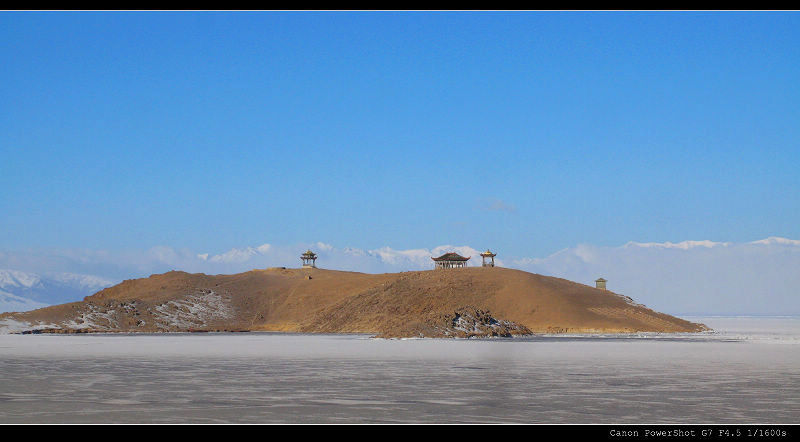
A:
[747, 371]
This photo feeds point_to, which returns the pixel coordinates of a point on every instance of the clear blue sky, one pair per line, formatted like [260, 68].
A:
[219, 130]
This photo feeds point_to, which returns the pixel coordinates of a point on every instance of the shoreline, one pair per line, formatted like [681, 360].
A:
[564, 335]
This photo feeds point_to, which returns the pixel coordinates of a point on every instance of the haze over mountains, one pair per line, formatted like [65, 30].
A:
[21, 291]
[688, 277]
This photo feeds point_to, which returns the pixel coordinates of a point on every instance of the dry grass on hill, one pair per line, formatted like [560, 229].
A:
[440, 303]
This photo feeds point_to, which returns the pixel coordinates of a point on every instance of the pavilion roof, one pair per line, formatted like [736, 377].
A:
[309, 253]
[452, 256]
[488, 253]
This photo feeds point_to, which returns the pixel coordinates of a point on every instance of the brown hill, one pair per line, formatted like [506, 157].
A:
[439, 303]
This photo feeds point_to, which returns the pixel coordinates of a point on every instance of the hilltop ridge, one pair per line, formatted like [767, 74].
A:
[466, 302]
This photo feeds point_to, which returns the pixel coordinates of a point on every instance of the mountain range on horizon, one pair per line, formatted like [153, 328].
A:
[22, 291]
[701, 277]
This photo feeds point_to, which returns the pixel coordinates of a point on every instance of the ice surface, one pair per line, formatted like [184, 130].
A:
[735, 374]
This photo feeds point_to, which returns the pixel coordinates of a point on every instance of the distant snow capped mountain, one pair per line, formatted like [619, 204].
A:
[21, 291]
[778, 240]
[12, 303]
[685, 245]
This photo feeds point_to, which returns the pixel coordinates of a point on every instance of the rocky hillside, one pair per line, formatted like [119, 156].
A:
[440, 303]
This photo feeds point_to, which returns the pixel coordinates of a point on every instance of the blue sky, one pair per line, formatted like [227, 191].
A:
[524, 132]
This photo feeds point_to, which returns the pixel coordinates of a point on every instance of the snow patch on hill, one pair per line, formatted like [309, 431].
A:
[9, 326]
[195, 310]
[95, 319]
[469, 322]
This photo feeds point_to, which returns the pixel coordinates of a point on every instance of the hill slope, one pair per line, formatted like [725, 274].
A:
[458, 302]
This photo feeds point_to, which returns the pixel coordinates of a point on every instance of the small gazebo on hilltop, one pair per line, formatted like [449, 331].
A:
[450, 260]
[488, 254]
[309, 259]
[600, 283]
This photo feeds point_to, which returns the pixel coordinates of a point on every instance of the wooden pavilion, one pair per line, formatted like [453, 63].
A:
[488, 254]
[450, 261]
[309, 259]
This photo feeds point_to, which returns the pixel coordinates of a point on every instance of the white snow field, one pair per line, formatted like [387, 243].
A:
[747, 371]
